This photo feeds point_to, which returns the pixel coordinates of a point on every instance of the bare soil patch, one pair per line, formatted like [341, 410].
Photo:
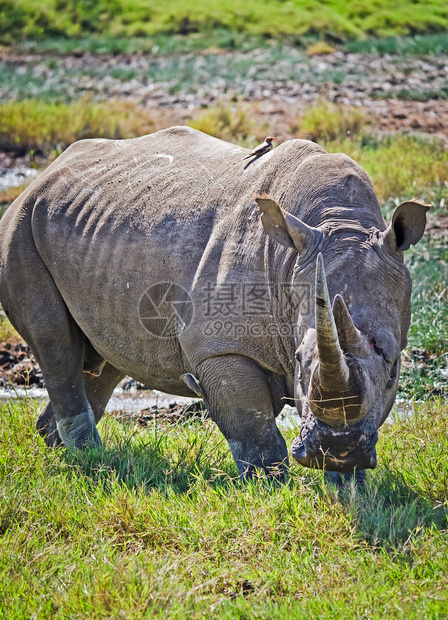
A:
[173, 414]
[18, 366]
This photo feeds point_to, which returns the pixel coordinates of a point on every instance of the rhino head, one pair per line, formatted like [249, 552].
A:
[347, 358]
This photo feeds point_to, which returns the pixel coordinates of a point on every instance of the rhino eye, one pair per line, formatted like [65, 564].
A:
[376, 348]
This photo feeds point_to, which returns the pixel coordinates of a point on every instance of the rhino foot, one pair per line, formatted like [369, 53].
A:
[344, 479]
[79, 431]
[47, 428]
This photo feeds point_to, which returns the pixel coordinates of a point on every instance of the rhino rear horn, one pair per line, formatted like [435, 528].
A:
[284, 227]
[350, 338]
[407, 226]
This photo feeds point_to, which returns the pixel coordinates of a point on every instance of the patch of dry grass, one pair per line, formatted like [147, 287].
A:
[324, 122]
[320, 48]
[232, 122]
[6, 329]
[36, 125]
[9, 195]
[398, 165]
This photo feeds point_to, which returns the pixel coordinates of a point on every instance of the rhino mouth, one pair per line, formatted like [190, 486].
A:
[320, 446]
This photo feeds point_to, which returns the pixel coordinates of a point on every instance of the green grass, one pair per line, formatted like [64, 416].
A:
[6, 329]
[399, 165]
[155, 525]
[24, 19]
[425, 368]
[325, 122]
[420, 44]
[224, 39]
[219, 38]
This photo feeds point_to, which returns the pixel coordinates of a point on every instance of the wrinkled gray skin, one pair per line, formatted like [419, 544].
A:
[110, 219]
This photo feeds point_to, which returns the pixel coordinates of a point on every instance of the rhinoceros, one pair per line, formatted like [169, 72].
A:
[169, 258]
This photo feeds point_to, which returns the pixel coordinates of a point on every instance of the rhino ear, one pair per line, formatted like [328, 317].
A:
[284, 227]
[407, 226]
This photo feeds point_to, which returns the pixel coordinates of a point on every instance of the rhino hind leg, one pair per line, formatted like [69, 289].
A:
[38, 312]
[98, 389]
[239, 401]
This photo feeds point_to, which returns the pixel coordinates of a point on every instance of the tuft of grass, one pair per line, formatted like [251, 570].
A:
[325, 122]
[6, 329]
[231, 123]
[320, 48]
[37, 125]
[155, 525]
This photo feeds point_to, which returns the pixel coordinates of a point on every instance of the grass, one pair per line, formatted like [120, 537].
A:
[224, 39]
[326, 122]
[399, 165]
[8, 196]
[6, 329]
[217, 39]
[232, 123]
[22, 19]
[155, 525]
[420, 44]
[36, 125]
[425, 371]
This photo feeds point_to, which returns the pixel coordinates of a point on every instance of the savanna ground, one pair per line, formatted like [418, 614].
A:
[155, 524]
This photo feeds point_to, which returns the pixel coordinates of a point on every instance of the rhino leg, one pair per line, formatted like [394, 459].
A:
[98, 389]
[37, 310]
[341, 480]
[239, 401]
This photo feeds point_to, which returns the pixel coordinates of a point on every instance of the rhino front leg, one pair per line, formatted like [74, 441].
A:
[239, 401]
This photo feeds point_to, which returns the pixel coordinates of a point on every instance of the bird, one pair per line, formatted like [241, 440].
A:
[261, 149]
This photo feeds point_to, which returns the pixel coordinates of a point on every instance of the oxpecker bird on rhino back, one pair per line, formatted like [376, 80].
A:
[144, 257]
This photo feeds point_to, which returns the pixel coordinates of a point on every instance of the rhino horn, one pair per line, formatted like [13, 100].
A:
[334, 373]
[349, 336]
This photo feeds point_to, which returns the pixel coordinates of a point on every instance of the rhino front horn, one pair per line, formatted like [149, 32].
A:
[334, 373]
[334, 394]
